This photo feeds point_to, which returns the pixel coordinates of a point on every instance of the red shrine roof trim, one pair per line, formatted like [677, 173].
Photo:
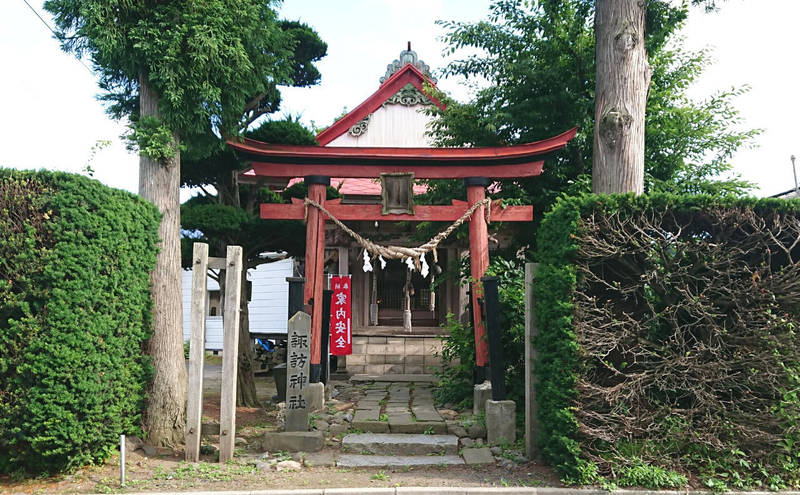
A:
[407, 74]
[500, 162]
[278, 153]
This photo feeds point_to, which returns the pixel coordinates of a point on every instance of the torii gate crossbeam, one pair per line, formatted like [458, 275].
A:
[318, 164]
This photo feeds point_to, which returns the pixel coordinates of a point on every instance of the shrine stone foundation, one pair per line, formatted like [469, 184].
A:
[395, 355]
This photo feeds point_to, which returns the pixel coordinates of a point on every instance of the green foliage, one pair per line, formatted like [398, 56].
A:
[641, 474]
[231, 216]
[300, 190]
[653, 435]
[458, 355]
[538, 59]
[151, 138]
[208, 62]
[75, 258]
[458, 348]
[204, 471]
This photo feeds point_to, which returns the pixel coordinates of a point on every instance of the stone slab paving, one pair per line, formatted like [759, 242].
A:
[425, 413]
[355, 460]
[315, 459]
[478, 456]
[367, 415]
[400, 444]
[408, 407]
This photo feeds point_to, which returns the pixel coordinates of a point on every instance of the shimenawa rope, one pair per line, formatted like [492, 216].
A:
[414, 254]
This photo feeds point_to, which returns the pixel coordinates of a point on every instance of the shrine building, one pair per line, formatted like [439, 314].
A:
[375, 156]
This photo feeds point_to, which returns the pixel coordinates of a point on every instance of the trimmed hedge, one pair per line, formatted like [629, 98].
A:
[75, 312]
[667, 348]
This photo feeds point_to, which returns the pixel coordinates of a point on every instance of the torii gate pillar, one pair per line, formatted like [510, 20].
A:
[478, 262]
[315, 258]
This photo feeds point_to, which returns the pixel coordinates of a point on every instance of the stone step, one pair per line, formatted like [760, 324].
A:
[396, 444]
[357, 460]
[417, 427]
[393, 377]
[371, 426]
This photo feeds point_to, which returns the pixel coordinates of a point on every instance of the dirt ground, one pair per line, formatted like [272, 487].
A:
[166, 471]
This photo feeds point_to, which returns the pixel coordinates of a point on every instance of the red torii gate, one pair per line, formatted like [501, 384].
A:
[476, 166]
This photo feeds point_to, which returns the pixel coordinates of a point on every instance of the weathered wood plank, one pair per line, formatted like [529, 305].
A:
[230, 361]
[194, 405]
[531, 330]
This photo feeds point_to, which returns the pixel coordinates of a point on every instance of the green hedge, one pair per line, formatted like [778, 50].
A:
[75, 313]
[667, 347]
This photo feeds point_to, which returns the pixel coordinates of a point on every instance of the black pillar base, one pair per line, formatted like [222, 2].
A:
[315, 370]
[496, 362]
[479, 375]
[324, 338]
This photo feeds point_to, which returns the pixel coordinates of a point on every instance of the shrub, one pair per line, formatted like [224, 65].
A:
[458, 348]
[668, 341]
[74, 316]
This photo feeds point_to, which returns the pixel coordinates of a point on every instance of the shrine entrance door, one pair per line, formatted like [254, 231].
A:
[391, 297]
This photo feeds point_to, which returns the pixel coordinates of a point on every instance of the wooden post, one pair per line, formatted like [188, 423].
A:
[479, 262]
[531, 331]
[344, 261]
[315, 257]
[194, 404]
[230, 365]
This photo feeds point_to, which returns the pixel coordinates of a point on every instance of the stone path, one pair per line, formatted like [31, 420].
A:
[399, 426]
[398, 408]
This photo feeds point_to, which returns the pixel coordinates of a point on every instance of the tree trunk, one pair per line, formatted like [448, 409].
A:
[159, 183]
[623, 80]
[246, 382]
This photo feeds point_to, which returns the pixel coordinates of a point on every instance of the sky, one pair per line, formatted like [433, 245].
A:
[52, 118]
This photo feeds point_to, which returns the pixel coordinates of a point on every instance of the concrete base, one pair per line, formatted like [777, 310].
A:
[500, 422]
[481, 393]
[293, 441]
[315, 396]
[406, 320]
[328, 392]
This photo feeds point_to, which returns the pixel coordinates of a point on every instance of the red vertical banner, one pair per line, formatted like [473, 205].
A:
[341, 341]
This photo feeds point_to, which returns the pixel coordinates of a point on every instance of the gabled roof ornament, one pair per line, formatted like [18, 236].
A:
[408, 57]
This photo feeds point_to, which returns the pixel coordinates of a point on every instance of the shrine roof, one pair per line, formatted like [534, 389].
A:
[408, 74]
[281, 153]
[523, 160]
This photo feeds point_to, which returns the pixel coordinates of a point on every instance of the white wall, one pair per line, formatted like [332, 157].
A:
[268, 306]
[392, 125]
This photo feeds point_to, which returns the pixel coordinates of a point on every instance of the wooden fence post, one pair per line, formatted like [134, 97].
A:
[230, 355]
[531, 330]
[197, 351]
